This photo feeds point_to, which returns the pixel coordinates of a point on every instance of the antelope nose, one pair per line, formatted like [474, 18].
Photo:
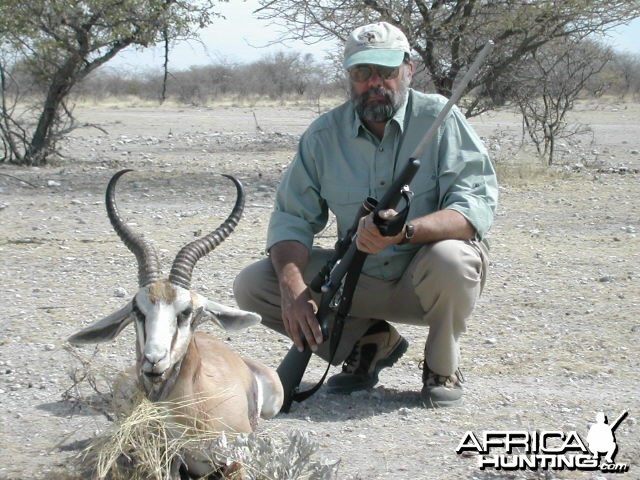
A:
[155, 355]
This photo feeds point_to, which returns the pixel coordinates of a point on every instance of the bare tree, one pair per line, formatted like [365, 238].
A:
[447, 35]
[62, 41]
[278, 75]
[548, 85]
[626, 69]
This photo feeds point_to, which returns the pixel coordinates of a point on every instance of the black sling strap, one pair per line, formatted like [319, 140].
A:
[389, 228]
[344, 306]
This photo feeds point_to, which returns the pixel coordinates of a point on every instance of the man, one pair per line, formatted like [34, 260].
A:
[431, 273]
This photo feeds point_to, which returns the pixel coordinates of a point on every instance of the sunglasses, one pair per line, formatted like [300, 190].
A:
[362, 73]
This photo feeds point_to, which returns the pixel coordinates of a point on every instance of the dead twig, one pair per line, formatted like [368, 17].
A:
[19, 180]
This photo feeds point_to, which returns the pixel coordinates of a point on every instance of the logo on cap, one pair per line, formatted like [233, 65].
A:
[368, 37]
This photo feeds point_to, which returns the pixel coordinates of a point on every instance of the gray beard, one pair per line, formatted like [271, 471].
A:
[381, 111]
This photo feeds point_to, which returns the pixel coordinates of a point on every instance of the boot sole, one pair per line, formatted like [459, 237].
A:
[389, 361]
[429, 403]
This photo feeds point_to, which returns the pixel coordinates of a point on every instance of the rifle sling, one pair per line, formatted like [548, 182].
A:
[350, 283]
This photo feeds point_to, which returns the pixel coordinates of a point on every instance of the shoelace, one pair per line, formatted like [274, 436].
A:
[439, 379]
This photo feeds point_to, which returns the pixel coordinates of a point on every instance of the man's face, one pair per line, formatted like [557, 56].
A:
[379, 92]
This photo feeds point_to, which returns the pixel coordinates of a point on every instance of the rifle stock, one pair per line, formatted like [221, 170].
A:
[291, 370]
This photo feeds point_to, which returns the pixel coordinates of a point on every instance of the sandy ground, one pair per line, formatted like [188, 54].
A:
[554, 339]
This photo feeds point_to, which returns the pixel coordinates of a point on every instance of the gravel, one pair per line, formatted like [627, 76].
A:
[554, 339]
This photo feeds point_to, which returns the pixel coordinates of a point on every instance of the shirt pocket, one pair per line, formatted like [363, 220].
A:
[425, 197]
[344, 201]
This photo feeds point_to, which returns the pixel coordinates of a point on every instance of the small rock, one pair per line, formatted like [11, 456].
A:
[120, 292]
[53, 183]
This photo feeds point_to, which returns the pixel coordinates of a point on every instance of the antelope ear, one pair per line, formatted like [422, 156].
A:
[230, 318]
[106, 329]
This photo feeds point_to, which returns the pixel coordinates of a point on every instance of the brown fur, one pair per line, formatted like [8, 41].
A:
[162, 291]
[212, 372]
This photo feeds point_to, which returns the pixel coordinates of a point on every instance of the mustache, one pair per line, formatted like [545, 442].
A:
[376, 92]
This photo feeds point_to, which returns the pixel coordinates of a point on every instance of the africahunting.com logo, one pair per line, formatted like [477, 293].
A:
[544, 450]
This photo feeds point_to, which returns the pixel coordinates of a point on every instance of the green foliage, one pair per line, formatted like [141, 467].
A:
[447, 35]
[60, 42]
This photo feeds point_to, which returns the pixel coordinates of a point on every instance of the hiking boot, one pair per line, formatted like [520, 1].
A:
[380, 347]
[439, 390]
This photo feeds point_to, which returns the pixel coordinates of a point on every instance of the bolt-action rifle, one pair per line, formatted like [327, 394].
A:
[337, 291]
[337, 280]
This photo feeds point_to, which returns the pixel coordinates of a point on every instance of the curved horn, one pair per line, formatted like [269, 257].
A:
[186, 259]
[148, 263]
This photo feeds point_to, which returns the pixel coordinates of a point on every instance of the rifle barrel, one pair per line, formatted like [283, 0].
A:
[455, 96]
[622, 416]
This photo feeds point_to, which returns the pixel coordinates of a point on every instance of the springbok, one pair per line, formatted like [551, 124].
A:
[215, 388]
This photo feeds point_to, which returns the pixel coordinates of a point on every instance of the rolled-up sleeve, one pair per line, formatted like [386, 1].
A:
[466, 177]
[299, 211]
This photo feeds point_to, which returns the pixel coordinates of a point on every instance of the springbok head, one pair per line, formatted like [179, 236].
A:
[166, 311]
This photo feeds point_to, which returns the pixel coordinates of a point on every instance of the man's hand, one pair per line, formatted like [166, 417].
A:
[369, 239]
[299, 316]
[289, 259]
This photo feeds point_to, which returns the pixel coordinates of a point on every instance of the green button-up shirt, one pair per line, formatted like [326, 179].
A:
[339, 163]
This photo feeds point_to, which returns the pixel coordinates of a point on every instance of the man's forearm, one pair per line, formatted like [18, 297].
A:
[289, 259]
[442, 225]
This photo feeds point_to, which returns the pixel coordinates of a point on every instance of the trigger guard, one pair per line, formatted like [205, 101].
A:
[391, 228]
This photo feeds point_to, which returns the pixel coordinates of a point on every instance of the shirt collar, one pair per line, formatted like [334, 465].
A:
[398, 118]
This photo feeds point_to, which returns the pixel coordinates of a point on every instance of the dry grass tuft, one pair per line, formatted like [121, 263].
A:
[141, 439]
[521, 173]
[150, 443]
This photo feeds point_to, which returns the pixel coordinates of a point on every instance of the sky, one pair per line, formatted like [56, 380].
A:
[241, 38]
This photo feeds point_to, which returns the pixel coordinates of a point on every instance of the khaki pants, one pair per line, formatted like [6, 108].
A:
[438, 289]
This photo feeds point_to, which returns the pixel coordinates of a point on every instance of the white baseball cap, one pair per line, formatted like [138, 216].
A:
[378, 44]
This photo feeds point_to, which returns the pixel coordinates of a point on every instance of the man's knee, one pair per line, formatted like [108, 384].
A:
[241, 287]
[247, 285]
[448, 263]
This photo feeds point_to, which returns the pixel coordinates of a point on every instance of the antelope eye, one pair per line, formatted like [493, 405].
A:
[185, 315]
[139, 315]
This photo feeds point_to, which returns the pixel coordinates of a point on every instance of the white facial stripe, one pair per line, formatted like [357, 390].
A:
[160, 331]
[160, 328]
